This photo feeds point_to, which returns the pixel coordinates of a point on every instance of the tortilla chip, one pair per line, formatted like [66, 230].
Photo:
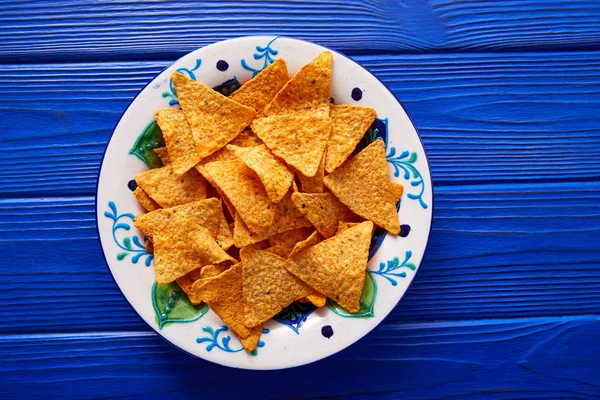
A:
[149, 246]
[336, 266]
[260, 90]
[168, 189]
[349, 126]
[145, 200]
[246, 139]
[287, 240]
[342, 226]
[273, 173]
[363, 185]
[214, 119]
[183, 247]
[287, 217]
[245, 191]
[178, 138]
[308, 90]
[310, 241]
[223, 294]
[268, 287]
[210, 271]
[280, 251]
[186, 282]
[207, 213]
[251, 342]
[313, 184]
[324, 211]
[397, 190]
[299, 139]
[317, 299]
[162, 153]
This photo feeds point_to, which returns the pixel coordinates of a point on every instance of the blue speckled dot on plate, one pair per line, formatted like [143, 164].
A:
[222, 65]
[357, 94]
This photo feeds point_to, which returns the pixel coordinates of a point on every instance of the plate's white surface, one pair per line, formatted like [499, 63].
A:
[283, 347]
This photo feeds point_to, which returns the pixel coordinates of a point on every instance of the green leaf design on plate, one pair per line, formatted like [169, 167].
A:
[367, 301]
[171, 305]
[150, 139]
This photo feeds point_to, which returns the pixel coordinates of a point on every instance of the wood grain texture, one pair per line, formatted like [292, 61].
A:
[486, 118]
[495, 359]
[106, 30]
[497, 251]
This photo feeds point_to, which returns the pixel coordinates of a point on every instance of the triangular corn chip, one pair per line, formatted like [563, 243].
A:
[273, 173]
[185, 283]
[299, 139]
[336, 266]
[317, 299]
[287, 217]
[245, 191]
[308, 90]
[207, 213]
[178, 138]
[313, 184]
[363, 185]
[287, 240]
[268, 287]
[280, 251]
[397, 190]
[260, 90]
[214, 119]
[210, 271]
[349, 126]
[162, 153]
[145, 200]
[342, 226]
[168, 189]
[223, 294]
[324, 211]
[310, 241]
[246, 139]
[183, 247]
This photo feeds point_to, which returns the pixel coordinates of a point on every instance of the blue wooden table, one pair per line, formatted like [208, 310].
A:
[506, 95]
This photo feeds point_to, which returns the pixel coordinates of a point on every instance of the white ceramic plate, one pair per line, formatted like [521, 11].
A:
[300, 334]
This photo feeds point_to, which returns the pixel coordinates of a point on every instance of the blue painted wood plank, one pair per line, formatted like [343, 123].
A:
[484, 117]
[497, 251]
[538, 358]
[105, 30]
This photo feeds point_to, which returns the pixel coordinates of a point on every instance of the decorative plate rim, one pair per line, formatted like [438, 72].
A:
[319, 357]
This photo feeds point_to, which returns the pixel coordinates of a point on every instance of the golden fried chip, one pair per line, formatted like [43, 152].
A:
[324, 211]
[308, 90]
[317, 299]
[280, 251]
[245, 191]
[287, 217]
[287, 240]
[185, 283]
[313, 184]
[223, 294]
[246, 139]
[145, 200]
[342, 226]
[336, 266]
[210, 271]
[251, 342]
[168, 189]
[363, 185]
[299, 139]
[207, 213]
[268, 287]
[273, 173]
[349, 126]
[184, 246]
[397, 190]
[178, 138]
[162, 153]
[149, 246]
[310, 241]
[260, 90]
[214, 119]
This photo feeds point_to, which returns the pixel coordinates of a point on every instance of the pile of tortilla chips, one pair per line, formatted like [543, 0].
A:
[259, 203]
